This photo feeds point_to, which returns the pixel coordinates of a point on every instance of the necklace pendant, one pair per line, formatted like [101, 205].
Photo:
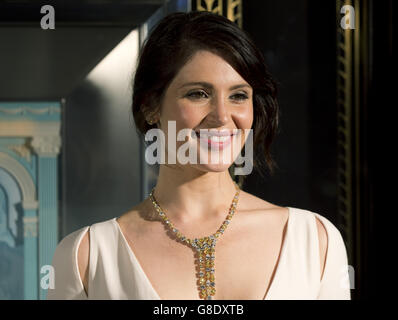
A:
[206, 252]
[205, 248]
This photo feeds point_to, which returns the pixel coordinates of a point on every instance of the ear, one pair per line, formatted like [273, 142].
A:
[152, 118]
[151, 114]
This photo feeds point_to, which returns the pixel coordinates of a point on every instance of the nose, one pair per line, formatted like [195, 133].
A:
[219, 113]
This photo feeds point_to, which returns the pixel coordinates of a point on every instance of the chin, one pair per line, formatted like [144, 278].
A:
[213, 167]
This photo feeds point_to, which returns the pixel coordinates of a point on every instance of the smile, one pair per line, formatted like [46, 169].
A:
[215, 140]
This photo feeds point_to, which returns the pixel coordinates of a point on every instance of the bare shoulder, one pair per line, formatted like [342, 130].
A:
[323, 243]
[83, 255]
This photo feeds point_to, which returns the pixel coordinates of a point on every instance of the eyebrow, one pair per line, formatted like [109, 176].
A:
[210, 86]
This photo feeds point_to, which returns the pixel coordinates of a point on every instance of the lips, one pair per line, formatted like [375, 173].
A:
[216, 139]
[213, 133]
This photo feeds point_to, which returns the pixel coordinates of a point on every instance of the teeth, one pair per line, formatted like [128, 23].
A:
[224, 138]
[214, 138]
[219, 138]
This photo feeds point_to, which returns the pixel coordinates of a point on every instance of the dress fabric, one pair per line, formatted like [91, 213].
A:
[115, 273]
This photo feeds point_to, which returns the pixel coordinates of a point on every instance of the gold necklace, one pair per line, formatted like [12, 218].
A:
[205, 247]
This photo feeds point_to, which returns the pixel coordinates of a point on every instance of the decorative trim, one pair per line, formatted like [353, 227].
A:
[29, 128]
[233, 10]
[344, 127]
[209, 6]
[22, 150]
[30, 226]
[23, 178]
[348, 82]
[25, 110]
[46, 146]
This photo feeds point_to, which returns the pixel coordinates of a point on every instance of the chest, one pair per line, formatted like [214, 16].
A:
[246, 259]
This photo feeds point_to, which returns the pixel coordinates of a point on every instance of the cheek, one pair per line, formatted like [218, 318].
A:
[244, 118]
[187, 116]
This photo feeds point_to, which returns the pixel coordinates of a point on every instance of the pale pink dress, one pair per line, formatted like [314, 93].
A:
[115, 272]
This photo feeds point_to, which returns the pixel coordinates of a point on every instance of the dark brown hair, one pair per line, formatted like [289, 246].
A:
[175, 40]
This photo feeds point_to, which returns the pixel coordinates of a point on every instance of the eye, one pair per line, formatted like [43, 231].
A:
[197, 94]
[240, 96]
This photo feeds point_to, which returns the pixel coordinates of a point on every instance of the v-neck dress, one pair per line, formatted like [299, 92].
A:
[115, 272]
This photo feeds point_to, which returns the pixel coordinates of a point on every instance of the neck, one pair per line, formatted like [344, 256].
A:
[188, 196]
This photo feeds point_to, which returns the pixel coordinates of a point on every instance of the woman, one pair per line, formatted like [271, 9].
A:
[199, 71]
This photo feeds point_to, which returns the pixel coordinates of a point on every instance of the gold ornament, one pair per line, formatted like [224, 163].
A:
[205, 247]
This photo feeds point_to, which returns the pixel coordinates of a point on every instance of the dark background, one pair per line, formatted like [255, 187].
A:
[298, 39]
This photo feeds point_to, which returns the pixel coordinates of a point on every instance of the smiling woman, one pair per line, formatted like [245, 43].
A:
[198, 235]
[214, 62]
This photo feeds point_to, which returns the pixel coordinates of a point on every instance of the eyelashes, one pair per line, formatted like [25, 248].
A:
[200, 94]
[197, 94]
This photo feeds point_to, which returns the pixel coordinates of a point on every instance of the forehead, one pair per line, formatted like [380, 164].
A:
[209, 67]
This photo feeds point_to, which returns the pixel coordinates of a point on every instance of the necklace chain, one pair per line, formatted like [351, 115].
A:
[205, 246]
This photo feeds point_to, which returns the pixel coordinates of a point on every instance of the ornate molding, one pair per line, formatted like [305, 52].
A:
[29, 128]
[214, 6]
[22, 150]
[29, 110]
[233, 10]
[46, 146]
[348, 81]
[30, 226]
[344, 128]
[23, 178]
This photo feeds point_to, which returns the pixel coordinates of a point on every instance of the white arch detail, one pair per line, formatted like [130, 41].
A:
[23, 178]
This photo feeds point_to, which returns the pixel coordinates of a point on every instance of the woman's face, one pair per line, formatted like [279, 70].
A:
[207, 93]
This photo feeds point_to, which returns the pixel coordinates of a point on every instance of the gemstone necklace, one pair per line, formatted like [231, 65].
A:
[205, 247]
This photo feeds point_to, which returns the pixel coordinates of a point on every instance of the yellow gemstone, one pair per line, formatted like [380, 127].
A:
[179, 235]
[211, 291]
[202, 295]
[202, 281]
